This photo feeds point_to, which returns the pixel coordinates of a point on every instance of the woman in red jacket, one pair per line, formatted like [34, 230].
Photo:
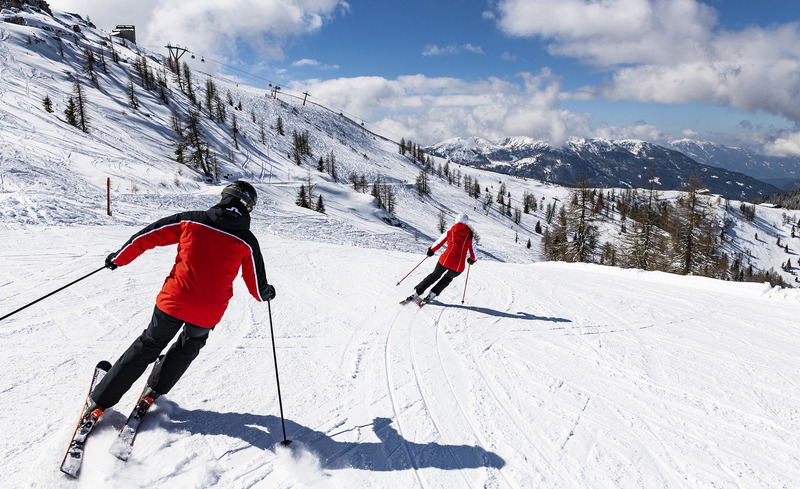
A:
[213, 245]
[459, 240]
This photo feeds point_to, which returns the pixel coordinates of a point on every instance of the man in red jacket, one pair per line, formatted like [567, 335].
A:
[459, 239]
[213, 245]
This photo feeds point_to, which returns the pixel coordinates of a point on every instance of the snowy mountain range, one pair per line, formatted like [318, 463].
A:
[523, 373]
[605, 163]
[781, 172]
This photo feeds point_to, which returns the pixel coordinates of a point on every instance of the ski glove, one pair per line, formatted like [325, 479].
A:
[430, 252]
[110, 264]
[270, 293]
[470, 261]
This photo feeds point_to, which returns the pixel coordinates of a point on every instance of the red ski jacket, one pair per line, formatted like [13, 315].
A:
[459, 242]
[212, 246]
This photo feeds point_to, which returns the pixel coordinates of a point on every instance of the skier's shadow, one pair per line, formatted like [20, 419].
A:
[391, 452]
[506, 315]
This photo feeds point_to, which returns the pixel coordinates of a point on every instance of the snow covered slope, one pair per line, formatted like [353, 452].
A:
[548, 375]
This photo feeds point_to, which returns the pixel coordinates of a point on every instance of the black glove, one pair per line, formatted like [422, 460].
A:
[430, 252]
[270, 293]
[110, 264]
[470, 261]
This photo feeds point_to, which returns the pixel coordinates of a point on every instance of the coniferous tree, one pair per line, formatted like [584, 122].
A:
[70, 113]
[262, 132]
[114, 55]
[132, 95]
[645, 246]
[279, 126]
[302, 198]
[47, 104]
[320, 207]
[89, 66]
[199, 156]
[180, 139]
[309, 190]
[80, 105]
[163, 87]
[102, 58]
[235, 132]
[422, 184]
[693, 235]
[211, 96]
[330, 165]
[221, 110]
[362, 183]
[442, 224]
[580, 225]
[501, 196]
[189, 84]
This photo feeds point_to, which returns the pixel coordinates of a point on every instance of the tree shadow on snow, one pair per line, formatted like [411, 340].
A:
[391, 452]
[506, 315]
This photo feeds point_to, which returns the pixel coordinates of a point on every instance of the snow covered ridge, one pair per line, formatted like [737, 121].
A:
[782, 172]
[606, 163]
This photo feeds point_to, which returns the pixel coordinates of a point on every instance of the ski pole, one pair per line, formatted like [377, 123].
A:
[465, 284]
[275, 358]
[412, 270]
[51, 293]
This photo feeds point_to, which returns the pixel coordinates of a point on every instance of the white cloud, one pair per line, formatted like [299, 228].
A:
[667, 51]
[433, 50]
[305, 62]
[508, 56]
[212, 26]
[314, 64]
[433, 109]
[610, 32]
[785, 146]
[644, 132]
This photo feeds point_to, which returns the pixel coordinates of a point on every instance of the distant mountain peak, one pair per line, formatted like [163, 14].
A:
[607, 163]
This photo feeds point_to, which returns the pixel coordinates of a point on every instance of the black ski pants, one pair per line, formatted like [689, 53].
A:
[437, 289]
[145, 350]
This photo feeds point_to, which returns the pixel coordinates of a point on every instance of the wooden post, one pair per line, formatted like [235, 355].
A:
[108, 196]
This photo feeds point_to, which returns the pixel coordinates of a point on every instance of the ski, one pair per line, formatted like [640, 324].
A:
[73, 459]
[123, 445]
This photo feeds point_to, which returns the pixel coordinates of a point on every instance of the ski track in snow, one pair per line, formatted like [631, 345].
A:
[637, 386]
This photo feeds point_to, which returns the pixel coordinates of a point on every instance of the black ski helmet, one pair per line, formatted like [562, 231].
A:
[242, 191]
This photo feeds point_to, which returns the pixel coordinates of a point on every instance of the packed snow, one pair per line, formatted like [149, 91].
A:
[521, 374]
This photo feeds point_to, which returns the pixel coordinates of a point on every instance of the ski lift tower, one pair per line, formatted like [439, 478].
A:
[175, 52]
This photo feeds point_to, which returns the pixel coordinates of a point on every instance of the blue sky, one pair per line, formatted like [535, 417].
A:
[726, 71]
